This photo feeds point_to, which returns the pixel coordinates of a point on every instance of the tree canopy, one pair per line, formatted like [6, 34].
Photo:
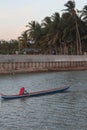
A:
[58, 34]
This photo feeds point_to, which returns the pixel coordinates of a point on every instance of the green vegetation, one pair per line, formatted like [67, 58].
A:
[8, 47]
[57, 34]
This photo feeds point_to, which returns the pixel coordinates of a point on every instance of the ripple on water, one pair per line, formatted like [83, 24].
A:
[66, 111]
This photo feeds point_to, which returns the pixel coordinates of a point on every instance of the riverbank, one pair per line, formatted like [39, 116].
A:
[41, 63]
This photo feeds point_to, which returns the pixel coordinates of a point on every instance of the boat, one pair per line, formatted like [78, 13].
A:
[35, 94]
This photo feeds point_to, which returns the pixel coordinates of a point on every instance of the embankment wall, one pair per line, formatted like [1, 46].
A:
[40, 63]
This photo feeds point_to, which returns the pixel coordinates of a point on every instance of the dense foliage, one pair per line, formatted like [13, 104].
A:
[56, 34]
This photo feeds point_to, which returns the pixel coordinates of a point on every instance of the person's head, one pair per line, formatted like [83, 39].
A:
[22, 88]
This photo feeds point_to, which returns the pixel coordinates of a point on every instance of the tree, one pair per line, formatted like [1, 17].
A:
[52, 26]
[34, 31]
[23, 39]
[56, 30]
[46, 26]
[68, 31]
[71, 9]
[84, 14]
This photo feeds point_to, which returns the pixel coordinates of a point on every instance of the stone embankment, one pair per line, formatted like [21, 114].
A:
[41, 63]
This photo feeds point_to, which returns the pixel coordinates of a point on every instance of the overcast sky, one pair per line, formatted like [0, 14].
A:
[16, 14]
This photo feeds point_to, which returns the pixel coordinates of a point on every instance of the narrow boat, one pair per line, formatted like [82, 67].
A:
[35, 94]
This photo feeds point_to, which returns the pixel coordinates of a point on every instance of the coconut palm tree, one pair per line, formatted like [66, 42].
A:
[46, 26]
[56, 30]
[68, 32]
[52, 30]
[71, 9]
[23, 39]
[84, 14]
[34, 31]
[35, 34]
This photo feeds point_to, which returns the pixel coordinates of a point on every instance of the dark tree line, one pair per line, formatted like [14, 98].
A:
[9, 47]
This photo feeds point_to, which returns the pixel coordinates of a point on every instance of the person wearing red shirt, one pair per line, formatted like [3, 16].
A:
[21, 92]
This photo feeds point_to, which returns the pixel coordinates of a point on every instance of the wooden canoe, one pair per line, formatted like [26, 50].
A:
[35, 94]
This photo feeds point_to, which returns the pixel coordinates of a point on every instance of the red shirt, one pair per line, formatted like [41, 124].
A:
[21, 91]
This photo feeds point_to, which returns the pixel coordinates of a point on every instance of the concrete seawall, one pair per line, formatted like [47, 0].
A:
[40, 63]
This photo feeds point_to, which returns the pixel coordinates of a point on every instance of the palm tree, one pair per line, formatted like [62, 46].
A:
[68, 32]
[34, 31]
[46, 26]
[84, 14]
[56, 30]
[52, 31]
[71, 9]
[46, 23]
[23, 39]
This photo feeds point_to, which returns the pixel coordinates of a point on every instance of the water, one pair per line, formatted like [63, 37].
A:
[65, 111]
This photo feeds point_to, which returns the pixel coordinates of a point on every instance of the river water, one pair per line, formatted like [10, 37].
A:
[62, 111]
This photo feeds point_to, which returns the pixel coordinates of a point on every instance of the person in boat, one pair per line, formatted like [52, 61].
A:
[23, 91]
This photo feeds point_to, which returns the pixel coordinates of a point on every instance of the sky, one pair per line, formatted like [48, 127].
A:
[16, 14]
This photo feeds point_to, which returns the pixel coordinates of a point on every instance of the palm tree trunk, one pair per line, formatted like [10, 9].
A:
[78, 40]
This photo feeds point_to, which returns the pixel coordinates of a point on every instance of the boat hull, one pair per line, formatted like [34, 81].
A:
[35, 94]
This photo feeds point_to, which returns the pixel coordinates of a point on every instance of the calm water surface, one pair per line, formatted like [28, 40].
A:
[65, 111]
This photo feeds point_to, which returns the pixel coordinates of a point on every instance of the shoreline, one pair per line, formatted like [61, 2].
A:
[31, 72]
[13, 64]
